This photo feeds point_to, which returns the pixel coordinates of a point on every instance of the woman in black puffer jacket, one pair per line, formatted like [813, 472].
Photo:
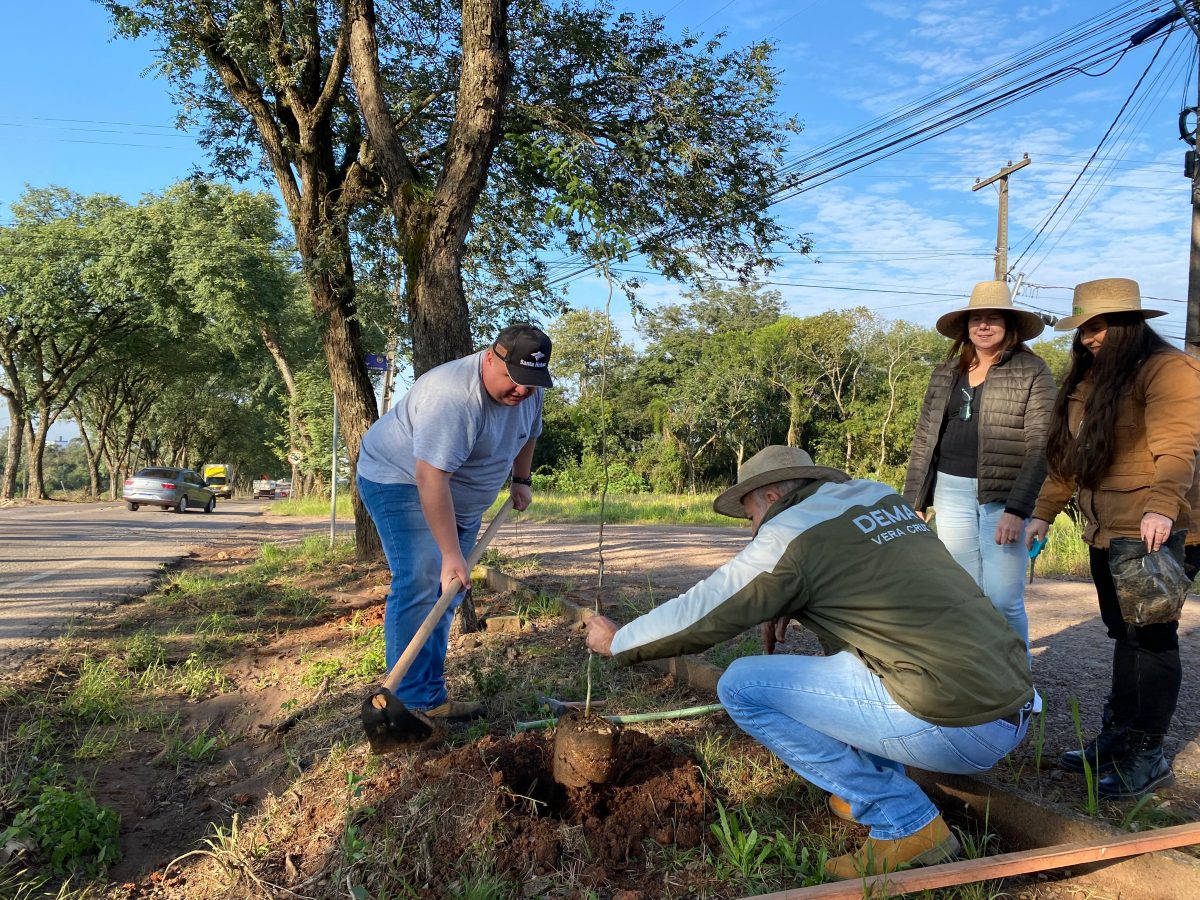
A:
[978, 456]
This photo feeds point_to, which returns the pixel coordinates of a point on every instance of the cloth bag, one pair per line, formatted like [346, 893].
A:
[1151, 587]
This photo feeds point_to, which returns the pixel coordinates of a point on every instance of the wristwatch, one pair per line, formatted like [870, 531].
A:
[517, 479]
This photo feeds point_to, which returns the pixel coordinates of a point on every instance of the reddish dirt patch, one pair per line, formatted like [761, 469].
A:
[656, 793]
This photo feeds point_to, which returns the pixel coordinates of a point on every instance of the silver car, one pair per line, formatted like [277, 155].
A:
[177, 489]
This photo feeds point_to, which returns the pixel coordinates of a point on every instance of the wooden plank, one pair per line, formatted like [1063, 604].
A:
[1002, 865]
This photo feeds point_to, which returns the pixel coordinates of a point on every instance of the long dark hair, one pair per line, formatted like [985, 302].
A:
[965, 351]
[1128, 343]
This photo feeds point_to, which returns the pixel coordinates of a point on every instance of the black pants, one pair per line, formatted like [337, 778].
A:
[1146, 672]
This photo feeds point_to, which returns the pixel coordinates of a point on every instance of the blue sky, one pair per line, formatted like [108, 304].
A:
[905, 236]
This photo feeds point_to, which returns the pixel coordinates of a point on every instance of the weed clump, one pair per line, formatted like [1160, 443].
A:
[67, 826]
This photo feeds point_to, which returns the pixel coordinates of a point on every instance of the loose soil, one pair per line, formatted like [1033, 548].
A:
[654, 792]
[293, 804]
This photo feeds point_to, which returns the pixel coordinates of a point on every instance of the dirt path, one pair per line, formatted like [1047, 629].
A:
[645, 565]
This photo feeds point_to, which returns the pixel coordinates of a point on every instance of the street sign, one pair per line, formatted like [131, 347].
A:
[294, 456]
[377, 362]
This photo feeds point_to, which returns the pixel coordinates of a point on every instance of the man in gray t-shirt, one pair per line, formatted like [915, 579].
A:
[429, 469]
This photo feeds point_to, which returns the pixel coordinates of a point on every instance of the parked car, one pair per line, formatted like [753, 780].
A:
[264, 489]
[170, 488]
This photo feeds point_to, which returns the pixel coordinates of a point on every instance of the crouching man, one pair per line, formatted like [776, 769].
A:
[920, 669]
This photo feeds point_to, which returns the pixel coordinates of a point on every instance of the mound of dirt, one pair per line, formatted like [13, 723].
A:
[504, 786]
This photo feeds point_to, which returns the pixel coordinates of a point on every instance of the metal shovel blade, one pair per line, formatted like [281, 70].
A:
[389, 725]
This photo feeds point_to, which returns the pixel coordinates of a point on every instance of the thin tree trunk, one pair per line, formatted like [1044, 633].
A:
[298, 433]
[332, 297]
[12, 459]
[93, 461]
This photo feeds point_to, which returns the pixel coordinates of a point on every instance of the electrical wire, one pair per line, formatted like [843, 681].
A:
[1050, 217]
[1096, 41]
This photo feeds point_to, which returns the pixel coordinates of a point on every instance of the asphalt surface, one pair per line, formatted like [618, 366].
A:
[62, 560]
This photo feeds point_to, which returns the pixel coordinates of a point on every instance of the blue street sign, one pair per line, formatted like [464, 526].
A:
[377, 362]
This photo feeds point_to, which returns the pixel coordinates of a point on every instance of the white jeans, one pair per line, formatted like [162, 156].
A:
[968, 529]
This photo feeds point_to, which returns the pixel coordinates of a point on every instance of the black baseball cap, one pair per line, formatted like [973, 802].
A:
[526, 351]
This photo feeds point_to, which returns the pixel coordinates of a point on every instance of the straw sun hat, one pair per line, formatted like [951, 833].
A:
[767, 466]
[1107, 295]
[988, 295]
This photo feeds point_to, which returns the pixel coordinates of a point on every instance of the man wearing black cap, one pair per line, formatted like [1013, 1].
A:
[429, 469]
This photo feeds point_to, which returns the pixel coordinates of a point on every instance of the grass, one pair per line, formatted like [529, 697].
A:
[1091, 779]
[313, 506]
[771, 828]
[105, 692]
[1065, 552]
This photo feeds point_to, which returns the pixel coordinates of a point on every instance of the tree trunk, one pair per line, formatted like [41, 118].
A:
[433, 224]
[298, 435]
[438, 312]
[35, 445]
[12, 460]
[93, 460]
[331, 292]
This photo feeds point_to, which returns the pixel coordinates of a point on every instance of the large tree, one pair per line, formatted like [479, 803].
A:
[57, 312]
[267, 81]
[563, 126]
[492, 131]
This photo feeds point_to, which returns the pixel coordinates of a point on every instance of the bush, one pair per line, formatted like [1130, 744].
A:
[587, 477]
[77, 835]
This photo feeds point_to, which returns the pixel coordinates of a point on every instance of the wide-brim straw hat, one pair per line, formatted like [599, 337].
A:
[991, 295]
[1103, 296]
[767, 466]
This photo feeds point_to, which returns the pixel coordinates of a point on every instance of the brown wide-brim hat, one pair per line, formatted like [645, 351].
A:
[767, 466]
[1103, 296]
[991, 295]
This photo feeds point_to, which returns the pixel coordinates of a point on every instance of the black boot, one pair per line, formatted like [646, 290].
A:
[1103, 751]
[1140, 772]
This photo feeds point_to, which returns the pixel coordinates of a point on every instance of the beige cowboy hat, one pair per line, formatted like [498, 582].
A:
[767, 466]
[1106, 295]
[991, 295]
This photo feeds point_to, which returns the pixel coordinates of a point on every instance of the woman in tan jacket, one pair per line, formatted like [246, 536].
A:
[1124, 439]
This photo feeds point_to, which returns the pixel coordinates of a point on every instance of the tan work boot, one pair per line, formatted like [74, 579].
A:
[932, 844]
[456, 711]
[841, 809]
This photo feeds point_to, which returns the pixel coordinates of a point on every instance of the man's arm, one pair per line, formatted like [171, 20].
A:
[433, 487]
[522, 494]
[756, 586]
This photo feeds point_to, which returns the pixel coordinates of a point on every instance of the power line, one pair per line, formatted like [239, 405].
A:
[1096, 41]
[1049, 218]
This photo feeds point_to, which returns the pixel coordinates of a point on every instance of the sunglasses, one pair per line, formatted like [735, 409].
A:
[964, 411]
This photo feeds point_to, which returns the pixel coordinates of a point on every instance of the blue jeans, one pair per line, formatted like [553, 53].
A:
[416, 566]
[830, 719]
[968, 529]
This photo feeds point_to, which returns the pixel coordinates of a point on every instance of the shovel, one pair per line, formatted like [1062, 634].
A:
[388, 723]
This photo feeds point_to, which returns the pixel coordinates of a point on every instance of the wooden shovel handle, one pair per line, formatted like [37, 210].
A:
[400, 669]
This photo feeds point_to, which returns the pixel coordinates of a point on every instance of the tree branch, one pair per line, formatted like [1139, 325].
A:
[388, 150]
[338, 64]
[249, 94]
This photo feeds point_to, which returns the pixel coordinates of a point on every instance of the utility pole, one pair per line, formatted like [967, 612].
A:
[1186, 11]
[1002, 224]
[1191, 333]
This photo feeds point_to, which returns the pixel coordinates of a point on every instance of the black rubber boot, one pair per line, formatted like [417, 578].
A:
[1103, 751]
[1140, 772]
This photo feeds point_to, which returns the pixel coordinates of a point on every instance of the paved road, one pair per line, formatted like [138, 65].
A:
[61, 560]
